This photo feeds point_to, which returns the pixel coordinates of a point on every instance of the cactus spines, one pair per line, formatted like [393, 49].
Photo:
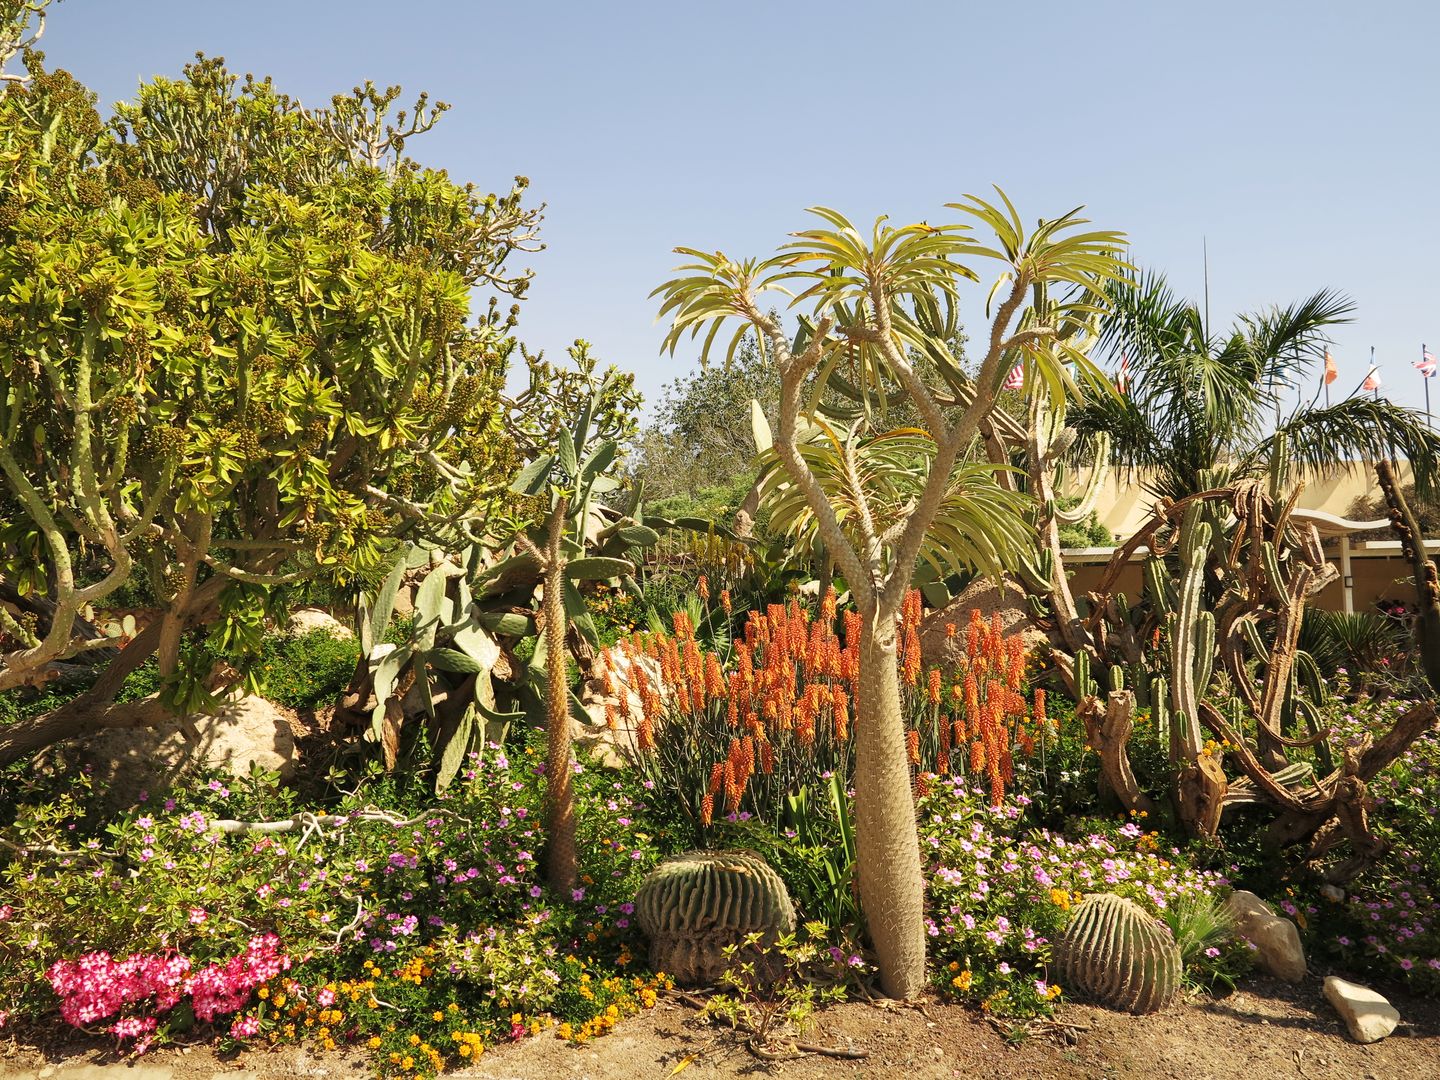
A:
[1084, 685]
[1114, 952]
[1160, 709]
[1192, 637]
[1117, 677]
[692, 906]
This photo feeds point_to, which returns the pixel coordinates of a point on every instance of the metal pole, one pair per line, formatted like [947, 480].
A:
[1426, 376]
[1347, 582]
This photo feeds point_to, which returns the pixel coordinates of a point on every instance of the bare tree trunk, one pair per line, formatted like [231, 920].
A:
[892, 889]
[76, 718]
[559, 778]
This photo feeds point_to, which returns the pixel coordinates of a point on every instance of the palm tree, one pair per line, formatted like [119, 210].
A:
[1202, 409]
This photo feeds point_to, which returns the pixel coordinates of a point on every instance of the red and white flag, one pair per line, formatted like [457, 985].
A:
[1016, 379]
[1372, 381]
[1122, 378]
[1426, 364]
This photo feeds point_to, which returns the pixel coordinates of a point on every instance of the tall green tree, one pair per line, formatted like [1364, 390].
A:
[236, 351]
[1202, 408]
[868, 304]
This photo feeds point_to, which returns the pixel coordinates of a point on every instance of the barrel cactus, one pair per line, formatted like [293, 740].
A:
[1114, 952]
[693, 906]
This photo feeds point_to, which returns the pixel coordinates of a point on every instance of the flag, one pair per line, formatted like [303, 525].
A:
[1016, 379]
[1331, 371]
[1122, 379]
[1426, 364]
[1372, 381]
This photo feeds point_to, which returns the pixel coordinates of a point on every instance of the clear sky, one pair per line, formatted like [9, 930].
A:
[1298, 139]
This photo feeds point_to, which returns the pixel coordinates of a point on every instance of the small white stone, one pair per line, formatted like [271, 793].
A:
[1333, 893]
[1368, 1015]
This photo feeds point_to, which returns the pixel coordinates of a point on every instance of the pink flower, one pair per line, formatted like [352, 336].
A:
[197, 915]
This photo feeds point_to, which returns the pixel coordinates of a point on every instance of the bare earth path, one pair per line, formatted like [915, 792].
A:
[1266, 1030]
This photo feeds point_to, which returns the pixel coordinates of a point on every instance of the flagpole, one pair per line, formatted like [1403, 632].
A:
[1423, 354]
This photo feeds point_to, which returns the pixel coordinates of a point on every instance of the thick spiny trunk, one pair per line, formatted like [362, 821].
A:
[892, 889]
[559, 777]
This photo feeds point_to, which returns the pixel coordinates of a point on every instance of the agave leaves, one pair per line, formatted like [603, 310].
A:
[876, 480]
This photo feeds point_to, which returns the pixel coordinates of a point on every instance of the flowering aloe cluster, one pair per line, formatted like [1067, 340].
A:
[96, 987]
[738, 732]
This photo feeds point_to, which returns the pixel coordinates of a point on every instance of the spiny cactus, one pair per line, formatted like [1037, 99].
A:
[693, 905]
[1114, 952]
[1192, 637]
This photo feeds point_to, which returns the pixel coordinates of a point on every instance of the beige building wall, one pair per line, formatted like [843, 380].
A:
[1124, 504]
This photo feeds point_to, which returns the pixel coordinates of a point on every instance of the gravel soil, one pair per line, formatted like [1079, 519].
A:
[1267, 1029]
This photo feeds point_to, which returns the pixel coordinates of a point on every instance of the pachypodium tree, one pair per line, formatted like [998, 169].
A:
[867, 312]
[236, 352]
[571, 479]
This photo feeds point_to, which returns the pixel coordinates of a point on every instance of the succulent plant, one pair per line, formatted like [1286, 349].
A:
[1114, 952]
[693, 906]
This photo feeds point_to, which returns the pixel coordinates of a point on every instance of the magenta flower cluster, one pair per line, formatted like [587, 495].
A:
[96, 986]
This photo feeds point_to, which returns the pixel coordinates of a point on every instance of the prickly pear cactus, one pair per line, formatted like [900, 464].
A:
[1114, 952]
[694, 905]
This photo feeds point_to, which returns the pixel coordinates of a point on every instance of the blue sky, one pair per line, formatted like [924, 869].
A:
[1299, 140]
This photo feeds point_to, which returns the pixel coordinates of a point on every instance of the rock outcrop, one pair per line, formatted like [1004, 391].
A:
[1275, 937]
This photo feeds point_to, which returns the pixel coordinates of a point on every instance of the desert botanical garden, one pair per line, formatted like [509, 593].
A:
[373, 684]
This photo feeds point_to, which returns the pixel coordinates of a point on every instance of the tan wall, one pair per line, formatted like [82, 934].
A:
[1383, 578]
[1124, 503]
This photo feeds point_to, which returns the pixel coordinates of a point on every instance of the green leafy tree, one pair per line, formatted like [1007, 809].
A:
[868, 305]
[236, 352]
[1202, 409]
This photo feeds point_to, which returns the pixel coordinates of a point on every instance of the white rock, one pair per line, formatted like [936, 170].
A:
[1368, 1015]
[242, 730]
[1276, 938]
[309, 620]
[613, 746]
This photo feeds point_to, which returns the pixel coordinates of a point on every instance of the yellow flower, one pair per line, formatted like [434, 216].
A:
[263, 992]
[1060, 898]
[962, 981]
[437, 1016]
[374, 1042]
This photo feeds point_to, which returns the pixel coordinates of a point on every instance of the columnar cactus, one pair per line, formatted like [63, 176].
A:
[1114, 952]
[1192, 638]
[693, 906]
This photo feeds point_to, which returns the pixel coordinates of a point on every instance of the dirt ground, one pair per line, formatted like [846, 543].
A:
[1266, 1030]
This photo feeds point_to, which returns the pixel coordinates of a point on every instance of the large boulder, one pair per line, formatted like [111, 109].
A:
[601, 698]
[1367, 1015]
[1276, 939]
[1005, 598]
[128, 761]
[309, 620]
